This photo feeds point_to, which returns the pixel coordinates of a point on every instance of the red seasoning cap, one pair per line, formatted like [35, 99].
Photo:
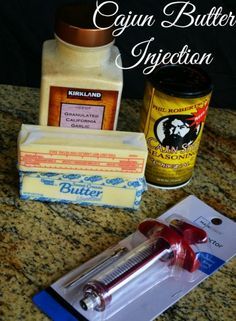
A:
[74, 24]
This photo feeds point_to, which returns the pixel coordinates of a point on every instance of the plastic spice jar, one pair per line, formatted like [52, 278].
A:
[81, 85]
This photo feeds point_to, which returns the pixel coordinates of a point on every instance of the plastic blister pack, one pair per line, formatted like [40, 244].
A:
[155, 252]
[140, 276]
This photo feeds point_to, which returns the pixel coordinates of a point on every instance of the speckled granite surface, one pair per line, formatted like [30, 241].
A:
[41, 242]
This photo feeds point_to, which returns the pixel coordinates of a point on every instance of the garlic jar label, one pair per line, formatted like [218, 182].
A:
[82, 108]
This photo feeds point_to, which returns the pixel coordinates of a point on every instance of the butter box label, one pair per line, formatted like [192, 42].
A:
[84, 192]
[82, 189]
[65, 150]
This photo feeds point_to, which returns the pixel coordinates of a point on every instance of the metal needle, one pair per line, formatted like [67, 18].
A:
[115, 255]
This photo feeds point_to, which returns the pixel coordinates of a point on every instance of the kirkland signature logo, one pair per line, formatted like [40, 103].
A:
[84, 94]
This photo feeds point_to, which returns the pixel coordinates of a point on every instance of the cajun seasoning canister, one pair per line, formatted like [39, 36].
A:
[176, 101]
[81, 85]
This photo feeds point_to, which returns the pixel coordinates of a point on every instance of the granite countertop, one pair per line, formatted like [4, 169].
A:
[40, 242]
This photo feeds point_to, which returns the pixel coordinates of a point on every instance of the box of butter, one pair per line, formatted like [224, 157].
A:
[87, 167]
[65, 150]
[82, 189]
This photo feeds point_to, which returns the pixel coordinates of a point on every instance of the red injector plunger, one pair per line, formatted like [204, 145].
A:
[165, 243]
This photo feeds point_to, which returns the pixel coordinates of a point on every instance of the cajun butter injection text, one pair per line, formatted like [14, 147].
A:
[175, 107]
[81, 85]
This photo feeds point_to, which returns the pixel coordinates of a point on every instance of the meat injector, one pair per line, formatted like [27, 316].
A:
[166, 243]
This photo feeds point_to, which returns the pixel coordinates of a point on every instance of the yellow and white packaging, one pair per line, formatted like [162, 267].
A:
[82, 166]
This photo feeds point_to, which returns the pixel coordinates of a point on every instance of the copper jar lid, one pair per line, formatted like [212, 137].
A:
[74, 24]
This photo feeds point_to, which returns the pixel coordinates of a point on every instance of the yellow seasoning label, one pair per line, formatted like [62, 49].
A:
[173, 127]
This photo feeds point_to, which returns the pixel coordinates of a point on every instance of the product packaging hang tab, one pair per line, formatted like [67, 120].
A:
[86, 167]
[147, 272]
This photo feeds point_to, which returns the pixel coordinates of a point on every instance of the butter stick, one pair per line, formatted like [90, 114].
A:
[91, 152]
[82, 189]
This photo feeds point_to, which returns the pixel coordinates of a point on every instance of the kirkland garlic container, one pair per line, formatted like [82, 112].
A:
[81, 85]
